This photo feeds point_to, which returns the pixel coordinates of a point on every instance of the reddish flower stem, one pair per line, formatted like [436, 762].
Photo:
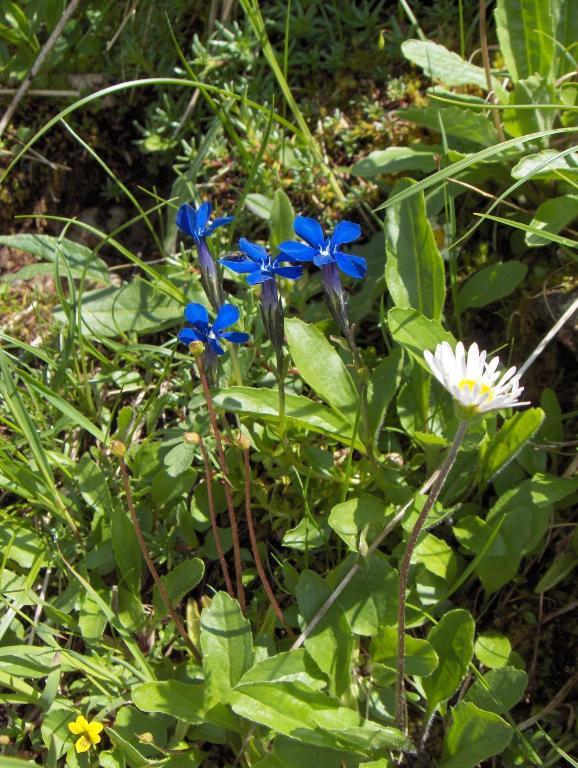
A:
[226, 484]
[213, 516]
[256, 556]
[151, 566]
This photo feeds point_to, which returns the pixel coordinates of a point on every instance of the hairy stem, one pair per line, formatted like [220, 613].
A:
[226, 484]
[213, 516]
[255, 548]
[151, 566]
[443, 473]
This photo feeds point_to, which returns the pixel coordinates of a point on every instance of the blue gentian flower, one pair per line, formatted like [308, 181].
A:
[260, 267]
[211, 334]
[258, 264]
[196, 223]
[323, 250]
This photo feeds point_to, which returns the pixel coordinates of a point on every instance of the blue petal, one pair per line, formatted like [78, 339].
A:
[187, 335]
[197, 314]
[203, 215]
[220, 221]
[320, 260]
[298, 251]
[293, 273]
[345, 232]
[186, 219]
[259, 277]
[352, 265]
[254, 251]
[216, 347]
[237, 337]
[310, 230]
[228, 315]
[241, 266]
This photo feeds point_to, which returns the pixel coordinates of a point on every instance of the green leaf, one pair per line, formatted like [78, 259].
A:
[81, 260]
[330, 644]
[507, 442]
[552, 216]
[545, 165]
[440, 63]
[369, 601]
[177, 583]
[437, 557]
[490, 284]
[126, 548]
[416, 157]
[453, 641]
[137, 307]
[293, 709]
[527, 35]
[179, 459]
[171, 697]
[533, 90]
[290, 666]
[93, 484]
[281, 220]
[473, 736]
[260, 205]
[414, 270]
[364, 514]
[492, 649]
[560, 568]
[76, 418]
[416, 333]
[465, 131]
[499, 690]
[331, 380]
[420, 656]
[383, 385]
[227, 646]
[301, 412]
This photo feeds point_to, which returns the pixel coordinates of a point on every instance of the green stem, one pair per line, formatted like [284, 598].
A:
[406, 561]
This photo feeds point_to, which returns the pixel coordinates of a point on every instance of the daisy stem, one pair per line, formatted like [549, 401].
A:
[226, 483]
[213, 516]
[436, 488]
[255, 549]
[151, 566]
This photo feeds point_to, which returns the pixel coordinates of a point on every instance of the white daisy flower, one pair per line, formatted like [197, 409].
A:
[474, 383]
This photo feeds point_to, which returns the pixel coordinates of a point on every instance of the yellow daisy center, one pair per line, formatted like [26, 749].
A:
[471, 383]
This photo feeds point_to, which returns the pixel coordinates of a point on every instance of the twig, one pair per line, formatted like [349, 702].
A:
[406, 561]
[33, 71]
[255, 548]
[213, 516]
[393, 523]
[549, 336]
[151, 566]
[487, 69]
[556, 701]
[226, 484]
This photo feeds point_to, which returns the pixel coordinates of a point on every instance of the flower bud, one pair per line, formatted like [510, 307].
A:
[242, 442]
[117, 448]
[193, 438]
[196, 348]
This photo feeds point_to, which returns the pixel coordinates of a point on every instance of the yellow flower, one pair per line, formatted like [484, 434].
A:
[89, 733]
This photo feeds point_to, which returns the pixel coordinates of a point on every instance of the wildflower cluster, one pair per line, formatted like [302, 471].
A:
[263, 268]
